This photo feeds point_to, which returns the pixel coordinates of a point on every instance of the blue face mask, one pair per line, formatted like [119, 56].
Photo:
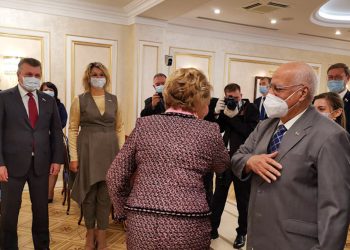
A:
[159, 89]
[263, 89]
[336, 86]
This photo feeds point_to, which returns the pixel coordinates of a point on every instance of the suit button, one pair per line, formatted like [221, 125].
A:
[258, 214]
[260, 191]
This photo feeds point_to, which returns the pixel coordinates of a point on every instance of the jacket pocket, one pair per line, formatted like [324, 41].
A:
[301, 228]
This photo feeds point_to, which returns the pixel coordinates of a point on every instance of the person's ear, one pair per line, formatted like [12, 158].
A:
[304, 93]
[336, 113]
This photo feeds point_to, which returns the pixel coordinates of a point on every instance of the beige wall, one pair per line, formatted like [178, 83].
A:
[132, 59]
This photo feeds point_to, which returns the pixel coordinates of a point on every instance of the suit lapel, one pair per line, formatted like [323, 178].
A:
[42, 103]
[266, 137]
[20, 105]
[296, 133]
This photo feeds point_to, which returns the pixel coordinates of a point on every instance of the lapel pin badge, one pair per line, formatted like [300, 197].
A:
[43, 99]
[109, 100]
[297, 133]
[346, 99]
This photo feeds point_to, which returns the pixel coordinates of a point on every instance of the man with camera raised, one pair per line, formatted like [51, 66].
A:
[155, 104]
[237, 118]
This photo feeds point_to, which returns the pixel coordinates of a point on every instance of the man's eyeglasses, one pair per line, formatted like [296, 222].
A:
[279, 88]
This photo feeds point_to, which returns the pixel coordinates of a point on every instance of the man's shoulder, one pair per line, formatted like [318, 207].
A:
[148, 100]
[9, 91]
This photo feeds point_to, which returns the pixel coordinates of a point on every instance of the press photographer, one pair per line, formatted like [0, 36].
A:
[237, 118]
[155, 104]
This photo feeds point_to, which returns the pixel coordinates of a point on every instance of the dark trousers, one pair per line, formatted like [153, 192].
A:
[11, 195]
[242, 192]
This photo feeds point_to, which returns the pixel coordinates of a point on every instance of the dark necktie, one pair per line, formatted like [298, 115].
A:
[276, 139]
[262, 110]
[32, 110]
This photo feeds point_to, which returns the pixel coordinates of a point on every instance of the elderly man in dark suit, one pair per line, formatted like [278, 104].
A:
[338, 77]
[31, 148]
[299, 162]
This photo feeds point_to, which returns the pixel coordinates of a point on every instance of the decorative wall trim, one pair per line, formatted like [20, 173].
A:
[175, 51]
[255, 36]
[263, 60]
[136, 7]
[43, 37]
[141, 62]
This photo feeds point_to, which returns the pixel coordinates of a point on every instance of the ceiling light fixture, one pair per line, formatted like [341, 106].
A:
[273, 21]
[338, 32]
[217, 11]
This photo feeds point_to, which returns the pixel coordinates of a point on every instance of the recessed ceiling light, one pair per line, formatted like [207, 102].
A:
[273, 21]
[217, 11]
[338, 32]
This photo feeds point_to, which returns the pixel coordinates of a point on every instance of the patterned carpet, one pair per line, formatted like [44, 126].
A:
[66, 234]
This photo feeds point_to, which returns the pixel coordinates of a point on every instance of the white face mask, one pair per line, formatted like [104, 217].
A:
[49, 92]
[98, 82]
[276, 107]
[326, 114]
[31, 83]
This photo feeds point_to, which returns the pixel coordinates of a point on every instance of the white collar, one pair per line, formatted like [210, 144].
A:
[290, 123]
[24, 92]
[342, 94]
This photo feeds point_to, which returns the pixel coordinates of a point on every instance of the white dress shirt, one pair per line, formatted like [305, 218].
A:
[25, 98]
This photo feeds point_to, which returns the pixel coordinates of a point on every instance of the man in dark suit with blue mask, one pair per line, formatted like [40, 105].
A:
[263, 89]
[155, 105]
[338, 77]
[31, 149]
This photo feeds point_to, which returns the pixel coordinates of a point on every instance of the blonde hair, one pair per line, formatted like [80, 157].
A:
[87, 75]
[187, 89]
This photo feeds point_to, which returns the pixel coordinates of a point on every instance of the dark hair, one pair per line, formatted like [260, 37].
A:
[51, 86]
[159, 75]
[335, 101]
[340, 66]
[268, 79]
[31, 61]
[231, 87]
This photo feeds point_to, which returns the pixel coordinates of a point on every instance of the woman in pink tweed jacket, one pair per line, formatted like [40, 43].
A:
[168, 155]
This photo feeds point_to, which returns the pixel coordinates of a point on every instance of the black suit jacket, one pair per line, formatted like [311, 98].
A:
[159, 108]
[237, 129]
[346, 100]
[17, 135]
[257, 102]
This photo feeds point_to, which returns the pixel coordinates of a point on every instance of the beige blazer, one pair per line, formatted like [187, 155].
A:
[308, 206]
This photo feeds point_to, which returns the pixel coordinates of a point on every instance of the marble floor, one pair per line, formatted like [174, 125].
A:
[66, 234]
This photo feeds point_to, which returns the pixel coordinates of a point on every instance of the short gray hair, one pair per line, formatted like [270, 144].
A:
[305, 74]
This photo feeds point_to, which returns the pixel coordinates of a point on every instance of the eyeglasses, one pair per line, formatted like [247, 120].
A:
[278, 88]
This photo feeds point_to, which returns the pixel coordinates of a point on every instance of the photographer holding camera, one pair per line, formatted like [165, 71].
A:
[155, 104]
[237, 118]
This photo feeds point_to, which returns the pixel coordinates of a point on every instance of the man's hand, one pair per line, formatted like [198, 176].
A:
[265, 166]
[220, 105]
[155, 100]
[55, 168]
[231, 113]
[3, 174]
[73, 166]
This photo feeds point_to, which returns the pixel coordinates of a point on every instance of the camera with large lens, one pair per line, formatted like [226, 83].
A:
[230, 102]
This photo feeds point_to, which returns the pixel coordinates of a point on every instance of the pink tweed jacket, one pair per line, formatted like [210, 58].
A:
[167, 155]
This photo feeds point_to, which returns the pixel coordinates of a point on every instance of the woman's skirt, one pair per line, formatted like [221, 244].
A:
[154, 231]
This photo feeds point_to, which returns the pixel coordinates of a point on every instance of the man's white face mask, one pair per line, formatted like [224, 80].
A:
[276, 107]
